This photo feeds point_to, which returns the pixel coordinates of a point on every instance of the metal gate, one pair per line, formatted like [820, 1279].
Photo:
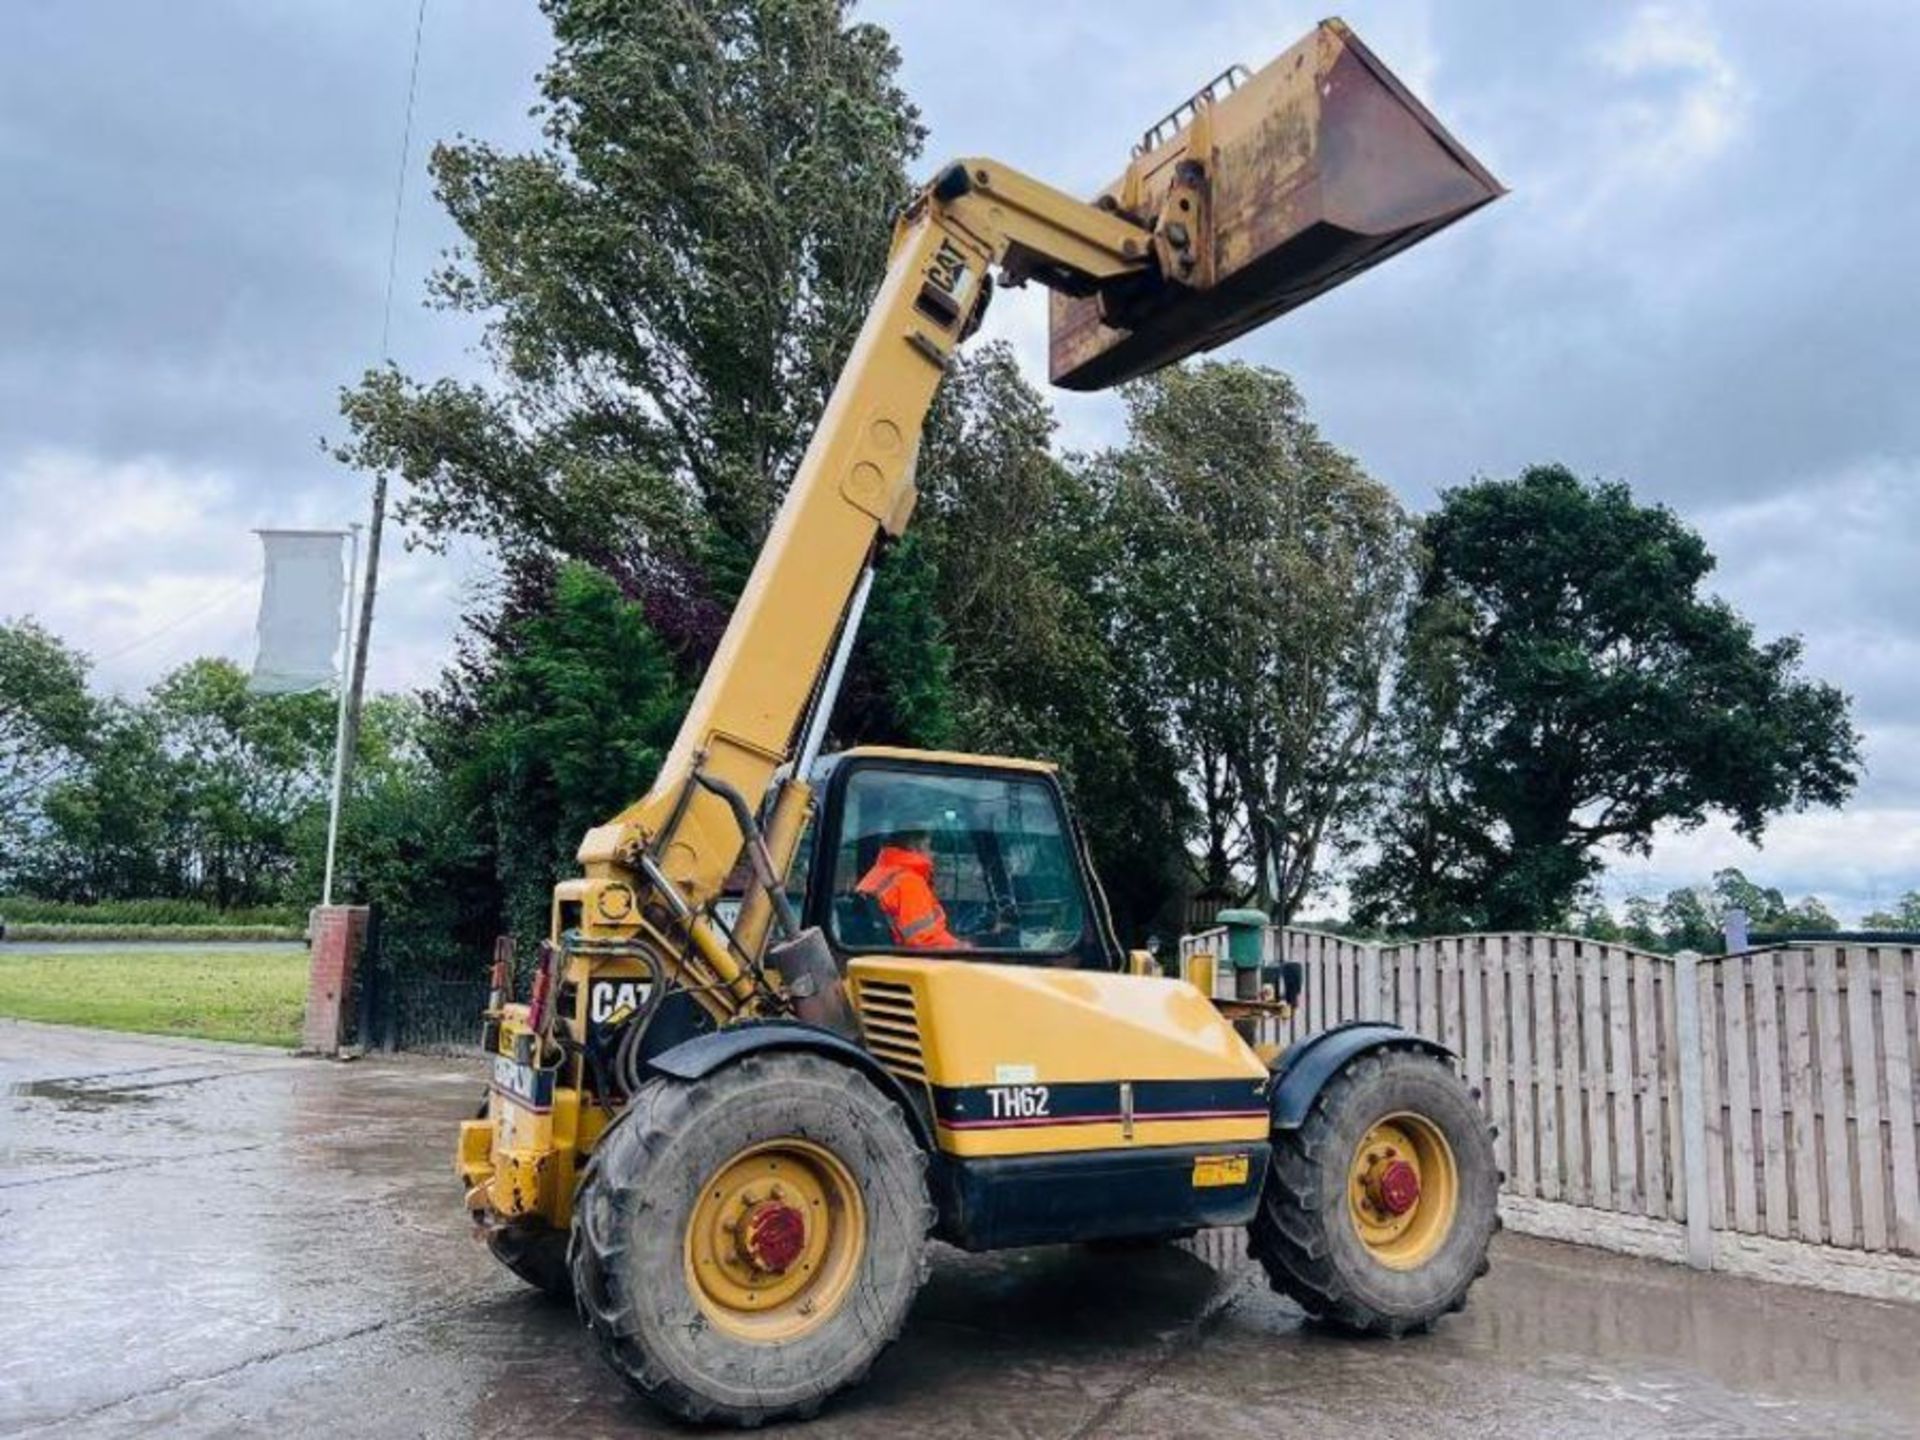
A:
[412, 1009]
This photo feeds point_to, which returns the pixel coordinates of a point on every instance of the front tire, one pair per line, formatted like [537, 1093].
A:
[1378, 1209]
[747, 1244]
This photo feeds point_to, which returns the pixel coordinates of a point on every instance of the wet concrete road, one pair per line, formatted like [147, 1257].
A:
[204, 1240]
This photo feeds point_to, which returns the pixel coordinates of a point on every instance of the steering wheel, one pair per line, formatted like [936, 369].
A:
[1046, 913]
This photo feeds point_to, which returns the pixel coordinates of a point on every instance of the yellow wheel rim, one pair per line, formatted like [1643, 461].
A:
[1403, 1190]
[774, 1241]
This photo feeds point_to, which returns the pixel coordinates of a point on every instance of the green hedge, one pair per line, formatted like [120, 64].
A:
[24, 908]
[88, 934]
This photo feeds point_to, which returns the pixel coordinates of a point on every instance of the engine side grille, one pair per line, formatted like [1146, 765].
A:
[892, 1027]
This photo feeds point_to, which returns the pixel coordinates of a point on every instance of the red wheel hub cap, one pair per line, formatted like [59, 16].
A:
[775, 1235]
[1396, 1189]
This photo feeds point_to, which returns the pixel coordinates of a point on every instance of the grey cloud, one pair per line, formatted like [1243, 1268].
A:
[1701, 284]
[205, 195]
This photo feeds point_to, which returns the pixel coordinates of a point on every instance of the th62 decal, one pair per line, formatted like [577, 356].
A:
[1018, 1102]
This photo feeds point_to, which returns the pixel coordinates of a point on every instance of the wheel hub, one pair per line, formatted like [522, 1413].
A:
[774, 1239]
[1395, 1187]
[1403, 1190]
[774, 1235]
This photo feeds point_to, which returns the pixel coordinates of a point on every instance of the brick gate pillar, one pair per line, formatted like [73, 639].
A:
[338, 932]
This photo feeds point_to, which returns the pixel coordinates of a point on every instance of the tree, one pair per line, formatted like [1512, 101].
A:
[1263, 577]
[1028, 568]
[1765, 907]
[46, 722]
[108, 832]
[1690, 920]
[901, 687]
[1809, 912]
[1694, 917]
[391, 785]
[561, 719]
[1595, 922]
[243, 768]
[1580, 691]
[669, 287]
[200, 790]
[1904, 915]
[1640, 924]
[669, 283]
[1424, 820]
[1731, 890]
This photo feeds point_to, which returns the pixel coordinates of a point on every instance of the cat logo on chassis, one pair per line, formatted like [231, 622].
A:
[612, 1003]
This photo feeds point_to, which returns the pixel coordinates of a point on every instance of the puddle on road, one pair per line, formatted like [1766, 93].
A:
[78, 1095]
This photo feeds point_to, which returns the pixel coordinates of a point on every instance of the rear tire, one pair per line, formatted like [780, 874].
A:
[537, 1256]
[1330, 1237]
[783, 1160]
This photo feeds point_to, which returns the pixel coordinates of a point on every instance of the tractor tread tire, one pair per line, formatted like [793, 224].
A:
[1302, 1235]
[538, 1257]
[628, 1278]
[536, 1254]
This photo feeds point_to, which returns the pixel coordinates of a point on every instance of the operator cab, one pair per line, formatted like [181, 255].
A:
[1008, 864]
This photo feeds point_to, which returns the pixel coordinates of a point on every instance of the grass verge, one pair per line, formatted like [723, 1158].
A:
[250, 995]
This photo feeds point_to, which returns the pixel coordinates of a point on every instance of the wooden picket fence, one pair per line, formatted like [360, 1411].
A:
[1784, 1078]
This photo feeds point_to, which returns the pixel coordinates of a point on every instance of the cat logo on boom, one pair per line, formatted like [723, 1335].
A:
[949, 270]
[945, 293]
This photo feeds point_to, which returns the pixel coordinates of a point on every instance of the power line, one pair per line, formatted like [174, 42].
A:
[360, 637]
[363, 626]
[400, 185]
[174, 624]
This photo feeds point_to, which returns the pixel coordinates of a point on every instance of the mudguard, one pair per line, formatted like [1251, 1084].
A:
[1307, 1067]
[701, 1056]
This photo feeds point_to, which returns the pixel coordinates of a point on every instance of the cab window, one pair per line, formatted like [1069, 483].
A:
[994, 850]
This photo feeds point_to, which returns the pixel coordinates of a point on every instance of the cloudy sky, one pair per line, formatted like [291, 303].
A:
[1704, 283]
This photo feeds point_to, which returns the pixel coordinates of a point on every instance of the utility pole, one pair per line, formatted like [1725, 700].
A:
[357, 690]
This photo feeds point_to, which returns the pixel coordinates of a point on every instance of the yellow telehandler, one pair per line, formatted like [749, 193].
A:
[730, 1125]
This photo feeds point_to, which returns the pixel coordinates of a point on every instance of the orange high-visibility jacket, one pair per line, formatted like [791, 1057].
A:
[902, 882]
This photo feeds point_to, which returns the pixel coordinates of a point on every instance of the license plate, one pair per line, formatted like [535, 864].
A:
[1211, 1170]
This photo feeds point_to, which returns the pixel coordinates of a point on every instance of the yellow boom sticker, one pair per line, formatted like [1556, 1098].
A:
[1219, 1170]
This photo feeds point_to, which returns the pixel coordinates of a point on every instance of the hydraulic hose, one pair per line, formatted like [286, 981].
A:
[762, 862]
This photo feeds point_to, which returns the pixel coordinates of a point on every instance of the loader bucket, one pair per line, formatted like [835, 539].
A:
[1316, 167]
